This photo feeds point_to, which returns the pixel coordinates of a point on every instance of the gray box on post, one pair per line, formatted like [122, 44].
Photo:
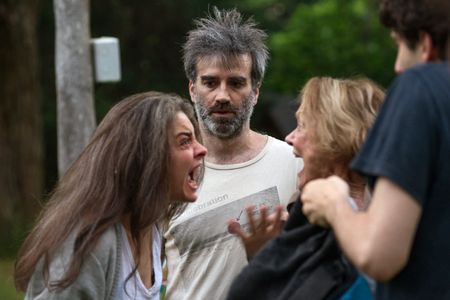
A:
[106, 56]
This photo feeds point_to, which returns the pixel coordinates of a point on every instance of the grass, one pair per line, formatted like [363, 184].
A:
[7, 290]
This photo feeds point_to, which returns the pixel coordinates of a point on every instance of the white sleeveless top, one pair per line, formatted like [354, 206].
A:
[135, 288]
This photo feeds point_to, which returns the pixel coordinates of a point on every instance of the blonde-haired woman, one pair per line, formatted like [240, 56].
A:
[304, 261]
[332, 122]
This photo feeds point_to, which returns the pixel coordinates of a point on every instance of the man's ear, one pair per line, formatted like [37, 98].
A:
[256, 91]
[192, 90]
[428, 50]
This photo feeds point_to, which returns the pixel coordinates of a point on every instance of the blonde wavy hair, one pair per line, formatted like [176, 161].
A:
[338, 114]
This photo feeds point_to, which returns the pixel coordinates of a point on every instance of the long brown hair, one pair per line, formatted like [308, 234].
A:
[122, 171]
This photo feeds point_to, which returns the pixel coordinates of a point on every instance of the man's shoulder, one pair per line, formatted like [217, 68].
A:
[280, 145]
[440, 67]
[283, 154]
[425, 86]
[429, 72]
[417, 85]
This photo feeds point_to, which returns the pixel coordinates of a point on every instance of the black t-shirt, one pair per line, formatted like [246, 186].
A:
[410, 145]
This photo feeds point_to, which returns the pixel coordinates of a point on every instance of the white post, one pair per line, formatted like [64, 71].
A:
[74, 82]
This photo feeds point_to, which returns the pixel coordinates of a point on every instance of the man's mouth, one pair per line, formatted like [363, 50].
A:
[222, 114]
[223, 110]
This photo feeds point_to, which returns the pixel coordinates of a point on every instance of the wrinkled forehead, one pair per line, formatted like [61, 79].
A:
[226, 61]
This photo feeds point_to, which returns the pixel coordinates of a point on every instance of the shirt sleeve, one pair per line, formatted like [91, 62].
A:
[89, 284]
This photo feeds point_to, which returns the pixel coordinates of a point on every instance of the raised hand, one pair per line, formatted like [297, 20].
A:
[260, 231]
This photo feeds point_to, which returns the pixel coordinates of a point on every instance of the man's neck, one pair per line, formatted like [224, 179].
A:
[235, 150]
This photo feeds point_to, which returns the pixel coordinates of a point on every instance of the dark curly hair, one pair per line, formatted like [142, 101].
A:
[409, 18]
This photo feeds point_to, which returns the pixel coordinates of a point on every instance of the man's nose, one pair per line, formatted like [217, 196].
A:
[223, 95]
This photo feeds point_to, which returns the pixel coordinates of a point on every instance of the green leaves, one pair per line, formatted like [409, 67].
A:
[340, 38]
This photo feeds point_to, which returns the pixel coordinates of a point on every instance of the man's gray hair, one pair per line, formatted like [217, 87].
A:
[227, 35]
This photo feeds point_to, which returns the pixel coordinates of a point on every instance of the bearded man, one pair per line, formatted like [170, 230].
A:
[225, 58]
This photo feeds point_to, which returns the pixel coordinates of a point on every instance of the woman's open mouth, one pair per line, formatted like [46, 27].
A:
[194, 175]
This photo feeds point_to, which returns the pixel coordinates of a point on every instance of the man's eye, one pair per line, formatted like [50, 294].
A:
[209, 83]
[237, 84]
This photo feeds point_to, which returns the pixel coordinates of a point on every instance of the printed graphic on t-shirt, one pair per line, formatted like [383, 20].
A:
[204, 230]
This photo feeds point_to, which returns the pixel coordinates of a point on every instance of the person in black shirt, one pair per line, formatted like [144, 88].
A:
[402, 239]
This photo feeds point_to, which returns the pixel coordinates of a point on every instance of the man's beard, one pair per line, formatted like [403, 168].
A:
[221, 127]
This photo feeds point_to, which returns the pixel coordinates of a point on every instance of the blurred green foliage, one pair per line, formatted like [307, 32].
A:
[7, 290]
[339, 38]
[307, 38]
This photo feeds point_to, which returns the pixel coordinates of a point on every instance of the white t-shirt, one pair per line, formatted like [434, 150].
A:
[135, 288]
[202, 256]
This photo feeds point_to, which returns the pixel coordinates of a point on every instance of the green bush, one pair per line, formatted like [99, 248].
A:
[338, 38]
[7, 290]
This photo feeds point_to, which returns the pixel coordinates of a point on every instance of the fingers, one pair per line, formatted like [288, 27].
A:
[263, 223]
[261, 228]
[314, 215]
[263, 218]
[308, 212]
[235, 228]
[278, 222]
[284, 216]
[319, 198]
[251, 221]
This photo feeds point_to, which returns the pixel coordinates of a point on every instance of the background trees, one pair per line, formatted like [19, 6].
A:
[21, 167]
[307, 38]
[338, 38]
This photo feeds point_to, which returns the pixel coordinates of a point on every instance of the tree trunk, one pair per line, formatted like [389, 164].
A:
[74, 83]
[21, 160]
